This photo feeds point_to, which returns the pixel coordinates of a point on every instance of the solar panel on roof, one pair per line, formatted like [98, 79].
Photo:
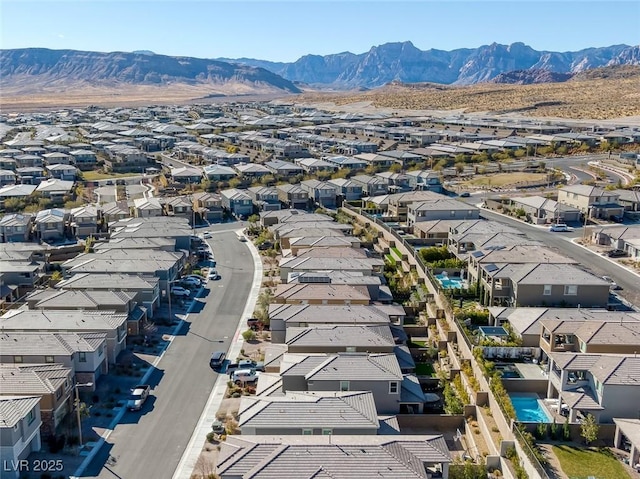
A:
[491, 267]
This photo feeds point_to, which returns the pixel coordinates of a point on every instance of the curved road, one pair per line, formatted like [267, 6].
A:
[150, 443]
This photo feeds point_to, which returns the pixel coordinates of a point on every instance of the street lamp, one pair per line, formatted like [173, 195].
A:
[77, 401]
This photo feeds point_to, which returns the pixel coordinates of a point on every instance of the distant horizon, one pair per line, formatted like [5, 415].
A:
[284, 31]
[146, 51]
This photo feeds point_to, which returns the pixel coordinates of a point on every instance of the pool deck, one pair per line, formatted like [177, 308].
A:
[531, 371]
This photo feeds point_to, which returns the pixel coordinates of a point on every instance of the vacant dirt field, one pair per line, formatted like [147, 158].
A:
[505, 179]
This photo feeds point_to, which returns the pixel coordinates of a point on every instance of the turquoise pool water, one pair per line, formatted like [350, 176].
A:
[449, 283]
[529, 409]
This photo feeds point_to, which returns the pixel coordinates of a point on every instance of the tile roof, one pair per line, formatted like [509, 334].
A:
[341, 336]
[15, 408]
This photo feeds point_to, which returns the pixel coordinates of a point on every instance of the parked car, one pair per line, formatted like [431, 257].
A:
[466, 194]
[617, 219]
[245, 364]
[139, 395]
[242, 376]
[207, 235]
[217, 360]
[616, 253]
[559, 227]
[217, 427]
[242, 238]
[213, 274]
[196, 276]
[179, 291]
[265, 245]
[190, 281]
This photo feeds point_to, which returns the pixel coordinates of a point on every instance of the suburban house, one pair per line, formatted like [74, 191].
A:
[630, 199]
[265, 198]
[320, 192]
[283, 169]
[84, 353]
[424, 180]
[314, 165]
[398, 182]
[147, 207]
[625, 238]
[252, 170]
[179, 206]
[591, 200]
[55, 189]
[62, 172]
[15, 227]
[441, 209]
[310, 413]
[335, 456]
[84, 221]
[20, 424]
[543, 210]
[84, 159]
[217, 172]
[65, 321]
[366, 266]
[627, 437]
[53, 383]
[378, 373]
[7, 177]
[186, 175]
[398, 203]
[542, 284]
[347, 189]
[434, 233]
[208, 206]
[176, 228]
[371, 185]
[333, 338]
[284, 316]
[115, 211]
[237, 202]
[293, 196]
[50, 225]
[332, 294]
[596, 384]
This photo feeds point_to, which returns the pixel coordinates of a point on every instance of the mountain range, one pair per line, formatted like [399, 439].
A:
[40, 68]
[405, 63]
[43, 71]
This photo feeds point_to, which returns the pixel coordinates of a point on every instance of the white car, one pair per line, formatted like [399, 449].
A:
[178, 291]
[207, 235]
[241, 376]
[559, 227]
[213, 274]
[242, 238]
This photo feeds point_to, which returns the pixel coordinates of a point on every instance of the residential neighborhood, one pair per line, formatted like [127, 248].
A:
[438, 293]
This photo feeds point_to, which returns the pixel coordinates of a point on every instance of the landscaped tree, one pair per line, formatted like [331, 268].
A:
[589, 429]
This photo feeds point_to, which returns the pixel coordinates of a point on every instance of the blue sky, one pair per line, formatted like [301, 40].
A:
[284, 31]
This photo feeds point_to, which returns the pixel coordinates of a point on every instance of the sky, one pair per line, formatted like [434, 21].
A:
[287, 30]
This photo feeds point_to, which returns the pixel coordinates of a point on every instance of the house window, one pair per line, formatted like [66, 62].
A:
[82, 357]
[31, 417]
[393, 387]
[344, 385]
[570, 290]
[48, 359]
[547, 290]
[327, 432]
[351, 349]
[58, 393]
[18, 359]
[453, 213]
[307, 432]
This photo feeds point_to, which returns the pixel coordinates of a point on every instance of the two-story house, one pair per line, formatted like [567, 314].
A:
[347, 189]
[84, 221]
[596, 384]
[53, 383]
[50, 225]
[441, 209]
[265, 198]
[592, 201]
[371, 185]
[84, 159]
[293, 196]
[62, 172]
[284, 169]
[320, 192]
[15, 227]
[54, 189]
[19, 431]
[237, 202]
[208, 206]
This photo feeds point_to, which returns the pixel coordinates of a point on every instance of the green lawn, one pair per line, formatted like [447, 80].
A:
[97, 175]
[397, 252]
[420, 344]
[580, 463]
[424, 369]
[391, 259]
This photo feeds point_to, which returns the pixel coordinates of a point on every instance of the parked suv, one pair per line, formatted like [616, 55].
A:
[616, 253]
[241, 376]
[190, 281]
[178, 291]
[561, 227]
[217, 359]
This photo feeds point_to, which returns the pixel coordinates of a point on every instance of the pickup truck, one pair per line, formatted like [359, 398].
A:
[139, 395]
[245, 364]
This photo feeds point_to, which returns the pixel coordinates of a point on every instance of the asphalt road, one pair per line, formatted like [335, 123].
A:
[561, 242]
[150, 443]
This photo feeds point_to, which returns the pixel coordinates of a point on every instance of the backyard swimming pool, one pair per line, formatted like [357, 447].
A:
[449, 283]
[529, 408]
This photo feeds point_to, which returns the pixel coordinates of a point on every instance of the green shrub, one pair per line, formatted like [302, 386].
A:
[249, 335]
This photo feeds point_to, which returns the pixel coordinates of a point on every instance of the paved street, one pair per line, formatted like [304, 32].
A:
[150, 443]
[561, 242]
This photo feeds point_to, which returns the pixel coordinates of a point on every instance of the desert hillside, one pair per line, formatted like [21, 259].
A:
[599, 96]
